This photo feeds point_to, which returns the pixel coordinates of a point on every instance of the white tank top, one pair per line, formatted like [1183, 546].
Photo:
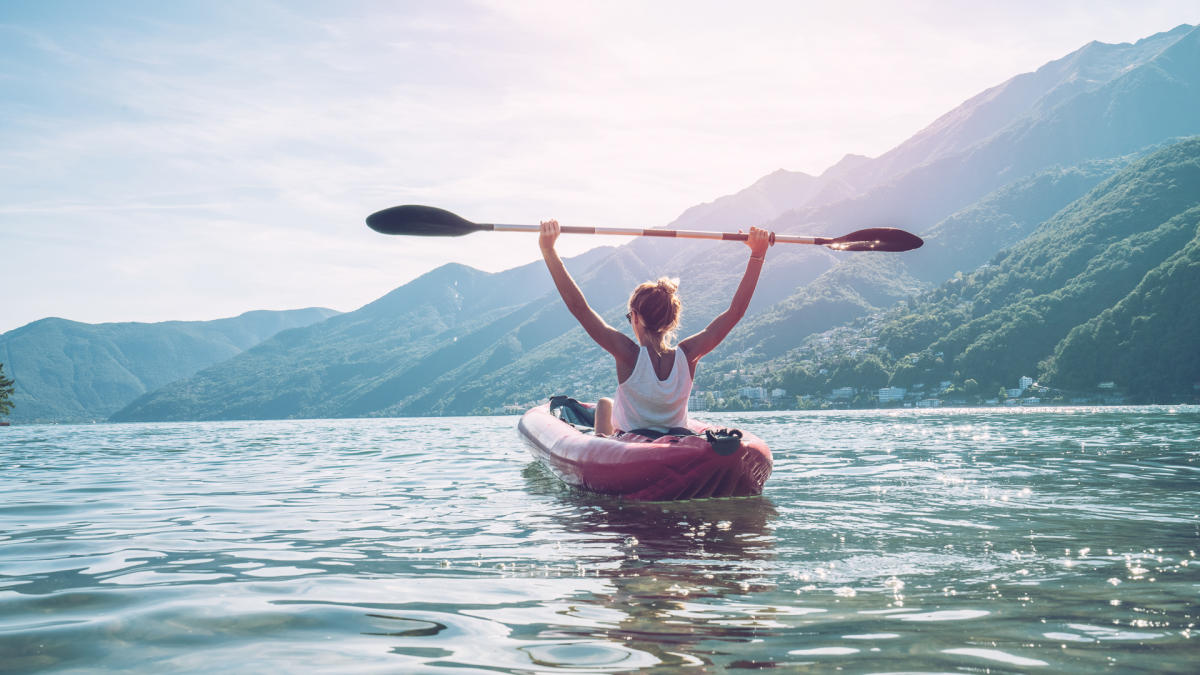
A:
[645, 402]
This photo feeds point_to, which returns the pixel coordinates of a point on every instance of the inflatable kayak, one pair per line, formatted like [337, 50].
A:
[694, 463]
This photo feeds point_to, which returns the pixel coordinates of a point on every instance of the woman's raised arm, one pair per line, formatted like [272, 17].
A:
[706, 340]
[610, 339]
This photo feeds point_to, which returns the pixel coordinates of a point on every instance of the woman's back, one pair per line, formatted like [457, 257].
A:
[646, 401]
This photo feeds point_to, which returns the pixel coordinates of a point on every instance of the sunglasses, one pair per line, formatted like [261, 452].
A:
[629, 317]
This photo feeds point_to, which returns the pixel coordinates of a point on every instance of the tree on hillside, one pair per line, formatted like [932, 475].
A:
[6, 390]
[865, 373]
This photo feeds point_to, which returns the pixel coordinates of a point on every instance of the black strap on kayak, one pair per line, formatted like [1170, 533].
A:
[724, 441]
[654, 434]
[572, 412]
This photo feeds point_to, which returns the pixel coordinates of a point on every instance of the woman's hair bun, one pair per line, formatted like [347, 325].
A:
[657, 303]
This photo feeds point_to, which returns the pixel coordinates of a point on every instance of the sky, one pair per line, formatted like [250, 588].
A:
[195, 160]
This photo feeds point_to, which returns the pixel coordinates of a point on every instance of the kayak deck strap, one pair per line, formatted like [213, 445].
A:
[654, 434]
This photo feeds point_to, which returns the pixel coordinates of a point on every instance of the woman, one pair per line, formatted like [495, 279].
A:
[654, 379]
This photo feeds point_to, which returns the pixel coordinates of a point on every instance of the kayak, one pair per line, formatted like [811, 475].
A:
[698, 462]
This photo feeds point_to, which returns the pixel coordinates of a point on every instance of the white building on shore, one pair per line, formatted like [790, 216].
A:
[753, 393]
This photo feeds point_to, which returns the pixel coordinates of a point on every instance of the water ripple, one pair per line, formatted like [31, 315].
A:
[1061, 540]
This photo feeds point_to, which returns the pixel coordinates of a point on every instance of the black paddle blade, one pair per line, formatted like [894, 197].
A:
[423, 221]
[876, 239]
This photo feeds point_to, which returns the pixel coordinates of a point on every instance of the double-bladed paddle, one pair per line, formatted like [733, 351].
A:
[429, 221]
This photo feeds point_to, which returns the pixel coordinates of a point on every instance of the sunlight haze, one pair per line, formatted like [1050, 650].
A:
[194, 160]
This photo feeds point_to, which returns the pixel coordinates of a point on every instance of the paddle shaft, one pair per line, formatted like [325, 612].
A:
[670, 234]
[430, 221]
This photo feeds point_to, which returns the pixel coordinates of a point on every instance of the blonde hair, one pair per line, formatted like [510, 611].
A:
[658, 306]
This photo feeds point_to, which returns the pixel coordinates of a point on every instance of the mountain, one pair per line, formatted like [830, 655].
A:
[66, 371]
[998, 114]
[374, 358]
[1100, 102]
[979, 179]
[981, 172]
[970, 237]
[990, 171]
[1098, 292]
[987, 173]
[771, 195]
[863, 284]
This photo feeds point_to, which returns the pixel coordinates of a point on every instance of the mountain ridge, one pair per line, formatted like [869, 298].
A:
[458, 340]
[68, 371]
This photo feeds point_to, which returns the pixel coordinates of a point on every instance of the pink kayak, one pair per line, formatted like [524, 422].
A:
[707, 463]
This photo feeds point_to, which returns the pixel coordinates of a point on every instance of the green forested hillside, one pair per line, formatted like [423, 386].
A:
[1149, 342]
[66, 371]
[969, 238]
[859, 285]
[1090, 266]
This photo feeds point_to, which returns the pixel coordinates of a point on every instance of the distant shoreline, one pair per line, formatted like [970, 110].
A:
[699, 413]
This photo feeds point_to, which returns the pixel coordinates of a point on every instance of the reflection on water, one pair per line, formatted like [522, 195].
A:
[671, 569]
[930, 541]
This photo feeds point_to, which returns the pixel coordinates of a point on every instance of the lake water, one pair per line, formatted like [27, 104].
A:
[1014, 540]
